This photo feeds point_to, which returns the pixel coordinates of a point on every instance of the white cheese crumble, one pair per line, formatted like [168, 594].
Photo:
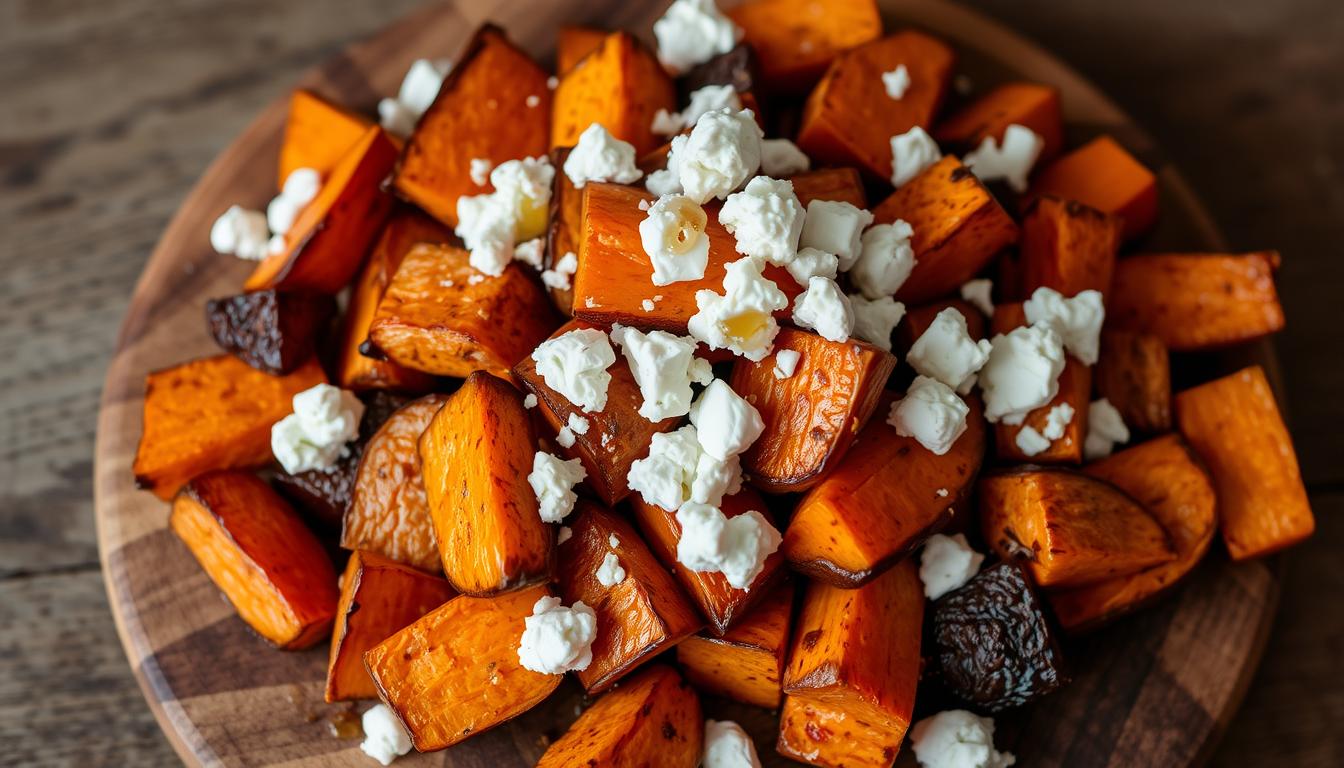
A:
[575, 365]
[885, 260]
[702, 100]
[946, 563]
[553, 480]
[765, 219]
[1011, 162]
[740, 319]
[931, 413]
[835, 226]
[1077, 320]
[692, 32]
[613, 541]
[979, 294]
[664, 366]
[728, 746]
[599, 156]
[824, 308]
[610, 573]
[563, 535]
[647, 305]
[1030, 442]
[677, 470]
[491, 224]
[896, 82]
[532, 100]
[957, 739]
[419, 88]
[673, 236]
[781, 157]
[736, 547]
[722, 151]
[726, 423]
[1105, 428]
[530, 252]
[911, 153]
[1057, 420]
[946, 351]
[577, 424]
[565, 437]
[558, 275]
[1022, 373]
[325, 418]
[385, 739]
[242, 233]
[875, 320]
[480, 171]
[811, 262]
[786, 363]
[300, 187]
[530, 401]
[557, 639]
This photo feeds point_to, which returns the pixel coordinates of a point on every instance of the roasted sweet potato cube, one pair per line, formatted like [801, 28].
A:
[1234, 425]
[1031, 105]
[256, 549]
[270, 330]
[1075, 391]
[318, 134]
[440, 317]
[455, 672]
[739, 67]
[642, 615]
[813, 416]
[1196, 300]
[1102, 175]
[332, 234]
[1164, 475]
[620, 86]
[1133, 372]
[1067, 246]
[212, 413]
[843, 185]
[797, 40]
[652, 719]
[959, 227]
[746, 663]
[881, 502]
[918, 319]
[1069, 529]
[563, 231]
[379, 597]
[855, 658]
[572, 44]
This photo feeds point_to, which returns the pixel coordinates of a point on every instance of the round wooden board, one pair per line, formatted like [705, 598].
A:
[1156, 690]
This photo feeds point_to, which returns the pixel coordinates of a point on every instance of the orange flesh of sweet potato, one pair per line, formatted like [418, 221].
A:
[475, 456]
[747, 662]
[796, 40]
[637, 618]
[379, 597]
[212, 413]
[481, 111]
[918, 319]
[455, 672]
[572, 44]
[318, 134]
[959, 227]
[256, 549]
[389, 513]
[1031, 105]
[842, 185]
[1075, 390]
[653, 719]
[853, 668]
[1234, 425]
[1102, 175]
[880, 503]
[1133, 372]
[812, 416]
[434, 318]
[562, 233]
[849, 119]
[1070, 529]
[1068, 246]
[1163, 475]
[1195, 300]
[620, 86]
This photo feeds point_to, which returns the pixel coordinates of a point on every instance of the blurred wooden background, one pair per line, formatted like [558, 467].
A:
[109, 111]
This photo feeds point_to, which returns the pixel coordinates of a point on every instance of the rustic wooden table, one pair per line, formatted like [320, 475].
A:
[111, 110]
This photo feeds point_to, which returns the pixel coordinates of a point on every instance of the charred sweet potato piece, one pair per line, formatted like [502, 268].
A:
[739, 67]
[379, 597]
[212, 413]
[1163, 475]
[1067, 246]
[640, 616]
[620, 86]
[959, 226]
[269, 330]
[849, 119]
[797, 40]
[1102, 175]
[1196, 300]
[746, 663]
[455, 672]
[475, 456]
[719, 602]
[1234, 425]
[494, 105]
[918, 320]
[388, 512]
[440, 317]
[562, 233]
[855, 659]
[572, 44]
[881, 502]
[1031, 105]
[254, 547]
[812, 416]
[1133, 372]
[318, 134]
[1069, 529]
[652, 719]
[1075, 391]
[329, 239]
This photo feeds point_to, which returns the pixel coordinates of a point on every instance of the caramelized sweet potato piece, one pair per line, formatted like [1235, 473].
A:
[455, 672]
[379, 597]
[842, 185]
[482, 111]
[918, 320]
[812, 416]
[562, 234]
[254, 547]
[439, 317]
[640, 616]
[746, 663]
[1067, 246]
[853, 669]
[271, 331]
[1196, 300]
[212, 413]
[1070, 529]
[572, 44]
[1234, 425]
[318, 134]
[1134, 374]
[797, 40]
[620, 86]
[878, 505]
[1075, 390]
[653, 719]
[475, 456]
[959, 226]
[1163, 475]
[1032, 105]
[1102, 175]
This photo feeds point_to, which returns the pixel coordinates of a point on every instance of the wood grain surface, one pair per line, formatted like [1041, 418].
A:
[113, 110]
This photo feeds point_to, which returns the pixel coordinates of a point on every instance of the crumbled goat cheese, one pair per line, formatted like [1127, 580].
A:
[575, 365]
[240, 232]
[677, 471]
[931, 413]
[957, 739]
[897, 82]
[946, 351]
[599, 156]
[728, 746]
[1105, 428]
[941, 493]
[577, 424]
[781, 157]
[885, 261]
[480, 171]
[979, 293]
[1077, 320]
[530, 401]
[1029, 441]
[811, 262]
[613, 541]
[491, 224]
[875, 320]
[786, 362]
[385, 739]
[664, 182]
[530, 252]
[1011, 162]
[557, 639]
[532, 100]
[553, 480]
[325, 418]
[673, 236]
[418, 90]
[565, 437]
[1057, 420]
[740, 319]
[765, 219]
[558, 275]
[707, 99]
[911, 153]
[947, 563]
[835, 227]
[563, 535]
[1022, 373]
[722, 151]
[736, 547]
[824, 308]
[301, 186]
[610, 573]
[692, 32]
[647, 305]
[552, 82]
[726, 423]
[664, 366]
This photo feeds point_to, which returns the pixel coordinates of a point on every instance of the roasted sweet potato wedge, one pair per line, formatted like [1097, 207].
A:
[959, 226]
[1196, 300]
[1032, 105]
[1234, 425]
[797, 40]
[1102, 175]
[563, 232]
[379, 597]
[642, 615]
[1075, 391]
[269, 330]
[746, 663]
[1163, 475]
[455, 672]
[572, 44]
[1070, 529]
[813, 416]
[212, 413]
[1134, 374]
[619, 85]
[842, 185]
[494, 105]
[652, 719]
[853, 668]
[439, 316]
[318, 134]
[256, 549]
[1067, 246]
[475, 456]
[918, 319]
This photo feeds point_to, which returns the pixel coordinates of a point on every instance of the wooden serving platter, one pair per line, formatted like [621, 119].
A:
[1155, 690]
